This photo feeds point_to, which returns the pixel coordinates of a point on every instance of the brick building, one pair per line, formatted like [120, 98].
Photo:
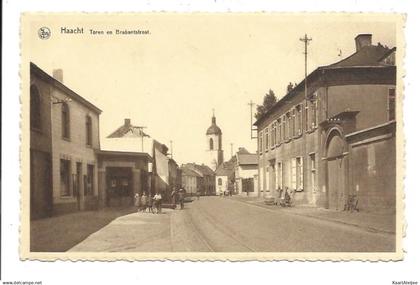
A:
[64, 138]
[340, 139]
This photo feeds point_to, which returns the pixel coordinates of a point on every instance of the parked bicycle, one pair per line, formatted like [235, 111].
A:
[352, 203]
[286, 197]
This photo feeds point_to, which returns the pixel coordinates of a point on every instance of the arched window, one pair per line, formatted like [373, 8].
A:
[211, 144]
[35, 108]
[65, 121]
[219, 181]
[88, 130]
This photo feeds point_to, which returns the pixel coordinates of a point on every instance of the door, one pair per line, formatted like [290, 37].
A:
[336, 183]
[78, 184]
[40, 184]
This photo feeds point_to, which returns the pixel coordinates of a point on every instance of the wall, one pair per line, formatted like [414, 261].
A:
[372, 172]
[74, 149]
[40, 155]
[221, 188]
[370, 100]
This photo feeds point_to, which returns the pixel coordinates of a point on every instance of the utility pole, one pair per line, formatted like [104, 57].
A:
[231, 149]
[306, 41]
[251, 105]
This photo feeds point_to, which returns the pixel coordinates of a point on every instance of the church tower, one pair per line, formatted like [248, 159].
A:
[214, 145]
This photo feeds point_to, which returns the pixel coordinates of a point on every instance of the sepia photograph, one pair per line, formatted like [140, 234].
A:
[200, 136]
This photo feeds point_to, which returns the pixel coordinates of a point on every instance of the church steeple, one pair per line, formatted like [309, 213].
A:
[214, 144]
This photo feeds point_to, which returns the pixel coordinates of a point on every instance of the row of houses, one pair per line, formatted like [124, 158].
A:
[336, 137]
[69, 171]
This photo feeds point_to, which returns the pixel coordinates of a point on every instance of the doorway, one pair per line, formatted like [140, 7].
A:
[119, 186]
[336, 173]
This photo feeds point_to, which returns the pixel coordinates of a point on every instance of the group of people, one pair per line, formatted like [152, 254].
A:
[153, 204]
[149, 203]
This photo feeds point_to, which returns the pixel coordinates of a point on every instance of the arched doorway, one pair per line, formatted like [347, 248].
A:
[336, 169]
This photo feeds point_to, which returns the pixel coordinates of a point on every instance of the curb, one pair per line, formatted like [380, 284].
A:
[287, 211]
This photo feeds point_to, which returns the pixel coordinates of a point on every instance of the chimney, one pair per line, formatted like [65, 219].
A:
[127, 122]
[58, 74]
[363, 40]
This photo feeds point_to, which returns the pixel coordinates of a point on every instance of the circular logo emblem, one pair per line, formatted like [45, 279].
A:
[44, 33]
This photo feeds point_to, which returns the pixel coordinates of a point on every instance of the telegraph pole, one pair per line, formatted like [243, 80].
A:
[251, 105]
[306, 41]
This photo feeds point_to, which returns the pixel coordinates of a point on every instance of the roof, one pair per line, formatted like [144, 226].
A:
[225, 169]
[186, 171]
[202, 169]
[243, 150]
[247, 159]
[59, 85]
[213, 129]
[123, 153]
[367, 57]
[128, 130]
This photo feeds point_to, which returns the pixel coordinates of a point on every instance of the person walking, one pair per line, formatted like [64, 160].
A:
[181, 197]
[198, 194]
[158, 200]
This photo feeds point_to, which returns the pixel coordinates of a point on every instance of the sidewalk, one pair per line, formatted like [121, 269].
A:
[372, 222]
[59, 233]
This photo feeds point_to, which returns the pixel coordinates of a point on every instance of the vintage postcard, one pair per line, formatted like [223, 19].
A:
[226, 136]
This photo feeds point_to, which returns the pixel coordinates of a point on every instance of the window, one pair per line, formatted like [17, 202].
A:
[88, 130]
[391, 104]
[90, 177]
[65, 121]
[261, 141]
[307, 127]
[314, 113]
[290, 125]
[273, 133]
[211, 144]
[280, 175]
[293, 130]
[293, 174]
[313, 171]
[299, 174]
[298, 120]
[219, 181]
[278, 137]
[35, 108]
[65, 177]
[266, 139]
[284, 128]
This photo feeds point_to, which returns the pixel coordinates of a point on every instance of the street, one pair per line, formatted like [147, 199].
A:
[214, 224]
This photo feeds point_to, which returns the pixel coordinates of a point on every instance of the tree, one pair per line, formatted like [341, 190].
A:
[269, 101]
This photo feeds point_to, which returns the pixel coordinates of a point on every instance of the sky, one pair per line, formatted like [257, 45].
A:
[188, 64]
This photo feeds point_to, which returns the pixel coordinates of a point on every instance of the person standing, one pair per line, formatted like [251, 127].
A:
[198, 194]
[150, 203]
[173, 196]
[137, 203]
[143, 202]
[158, 200]
[181, 197]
